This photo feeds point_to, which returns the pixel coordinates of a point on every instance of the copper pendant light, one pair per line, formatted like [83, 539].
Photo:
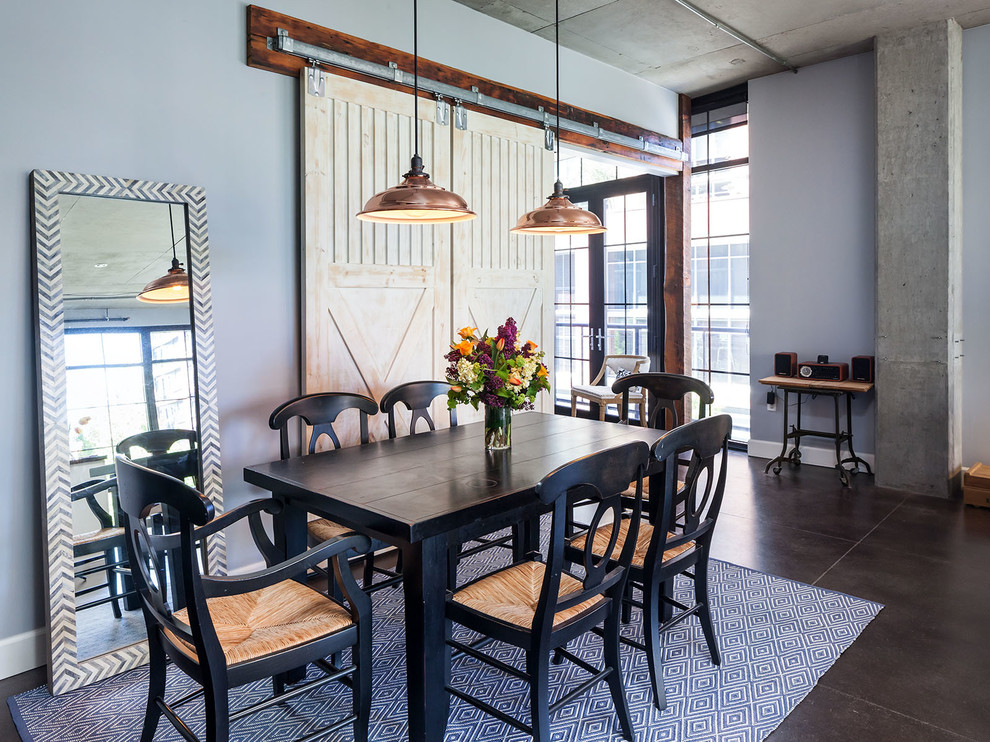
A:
[416, 200]
[173, 287]
[558, 215]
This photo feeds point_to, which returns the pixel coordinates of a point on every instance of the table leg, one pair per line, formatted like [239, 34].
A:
[795, 454]
[522, 538]
[783, 446]
[289, 526]
[427, 654]
[843, 476]
[853, 458]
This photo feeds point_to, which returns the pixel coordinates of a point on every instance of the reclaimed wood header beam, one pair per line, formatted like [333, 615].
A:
[263, 25]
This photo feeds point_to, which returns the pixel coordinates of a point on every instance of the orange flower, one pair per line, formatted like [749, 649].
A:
[541, 371]
[455, 388]
[531, 344]
[467, 332]
[464, 347]
[515, 380]
[500, 344]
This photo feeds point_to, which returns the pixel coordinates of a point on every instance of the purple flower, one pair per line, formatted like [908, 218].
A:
[493, 384]
[508, 332]
[491, 400]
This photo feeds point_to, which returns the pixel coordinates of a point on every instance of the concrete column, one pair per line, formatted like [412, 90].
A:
[919, 273]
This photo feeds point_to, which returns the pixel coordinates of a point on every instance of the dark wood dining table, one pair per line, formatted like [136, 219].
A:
[424, 494]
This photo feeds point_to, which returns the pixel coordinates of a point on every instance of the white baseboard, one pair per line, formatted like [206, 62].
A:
[244, 569]
[811, 455]
[22, 652]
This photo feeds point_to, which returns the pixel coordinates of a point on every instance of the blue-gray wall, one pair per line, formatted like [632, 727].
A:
[812, 244]
[976, 246]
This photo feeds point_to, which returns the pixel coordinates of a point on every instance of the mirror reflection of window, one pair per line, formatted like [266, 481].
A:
[172, 376]
[108, 393]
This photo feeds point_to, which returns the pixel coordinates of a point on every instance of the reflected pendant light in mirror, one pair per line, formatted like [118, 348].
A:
[416, 200]
[558, 215]
[173, 287]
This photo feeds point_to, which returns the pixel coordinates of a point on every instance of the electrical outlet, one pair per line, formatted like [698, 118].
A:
[772, 406]
[772, 401]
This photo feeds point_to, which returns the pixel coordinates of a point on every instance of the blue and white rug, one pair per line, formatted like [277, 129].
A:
[777, 637]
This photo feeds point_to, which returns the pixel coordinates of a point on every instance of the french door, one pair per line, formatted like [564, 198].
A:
[609, 287]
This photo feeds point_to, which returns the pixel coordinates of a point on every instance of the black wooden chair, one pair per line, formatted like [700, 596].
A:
[540, 606]
[660, 554]
[236, 630]
[157, 450]
[101, 549]
[417, 396]
[175, 452]
[320, 412]
[664, 392]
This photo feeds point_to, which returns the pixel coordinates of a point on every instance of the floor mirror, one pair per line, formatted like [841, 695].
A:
[125, 365]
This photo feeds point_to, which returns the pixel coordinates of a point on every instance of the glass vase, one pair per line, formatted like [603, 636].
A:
[498, 428]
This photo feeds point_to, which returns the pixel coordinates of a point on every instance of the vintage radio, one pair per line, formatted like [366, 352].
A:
[785, 364]
[862, 368]
[824, 371]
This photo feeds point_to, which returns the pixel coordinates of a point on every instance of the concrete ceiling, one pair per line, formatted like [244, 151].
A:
[663, 42]
[112, 248]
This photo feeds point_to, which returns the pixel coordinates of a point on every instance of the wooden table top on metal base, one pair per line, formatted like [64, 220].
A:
[815, 388]
[422, 494]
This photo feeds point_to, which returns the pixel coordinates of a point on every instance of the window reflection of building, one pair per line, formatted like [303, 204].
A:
[720, 252]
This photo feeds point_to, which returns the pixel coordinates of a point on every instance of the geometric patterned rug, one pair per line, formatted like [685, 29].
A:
[777, 638]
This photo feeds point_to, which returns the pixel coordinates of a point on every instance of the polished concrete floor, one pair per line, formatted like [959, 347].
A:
[921, 671]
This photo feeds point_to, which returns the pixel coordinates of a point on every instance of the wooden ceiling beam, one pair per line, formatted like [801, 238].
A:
[263, 24]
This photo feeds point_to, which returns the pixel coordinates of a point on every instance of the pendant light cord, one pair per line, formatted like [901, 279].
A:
[171, 231]
[416, 77]
[556, 39]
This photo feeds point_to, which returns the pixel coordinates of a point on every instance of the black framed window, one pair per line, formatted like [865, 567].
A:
[608, 297]
[122, 381]
[720, 251]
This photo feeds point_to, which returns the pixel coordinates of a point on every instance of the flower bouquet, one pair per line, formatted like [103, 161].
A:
[499, 372]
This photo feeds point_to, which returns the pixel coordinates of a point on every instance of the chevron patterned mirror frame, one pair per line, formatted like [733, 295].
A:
[66, 670]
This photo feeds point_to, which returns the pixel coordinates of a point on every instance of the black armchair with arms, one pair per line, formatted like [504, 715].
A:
[161, 454]
[238, 629]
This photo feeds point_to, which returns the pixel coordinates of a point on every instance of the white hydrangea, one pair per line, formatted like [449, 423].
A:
[528, 369]
[467, 372]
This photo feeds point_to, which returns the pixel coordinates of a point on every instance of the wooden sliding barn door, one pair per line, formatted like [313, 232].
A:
[375, 297]
[381, 302]
[503, 170]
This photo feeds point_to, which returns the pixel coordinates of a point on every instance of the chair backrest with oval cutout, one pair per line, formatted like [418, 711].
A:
[319, 411]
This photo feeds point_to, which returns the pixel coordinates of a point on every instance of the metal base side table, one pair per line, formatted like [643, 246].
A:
[815, 388]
